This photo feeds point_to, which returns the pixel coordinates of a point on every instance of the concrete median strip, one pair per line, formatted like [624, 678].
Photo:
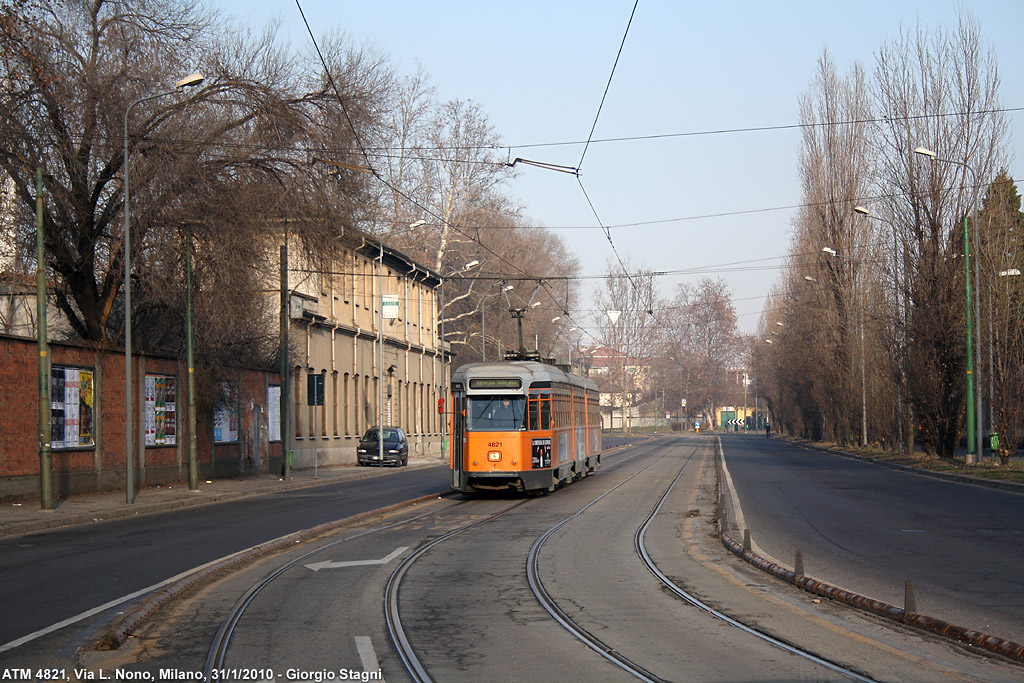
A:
[1001, 646]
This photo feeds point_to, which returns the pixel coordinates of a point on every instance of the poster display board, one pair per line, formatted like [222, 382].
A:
[71, 407]
[225, 424]
[274, 412]
[160, 413]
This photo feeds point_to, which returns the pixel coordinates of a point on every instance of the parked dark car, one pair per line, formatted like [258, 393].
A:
[396, 447]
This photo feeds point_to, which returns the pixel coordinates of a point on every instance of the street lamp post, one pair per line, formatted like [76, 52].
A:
[1011, 272]
[129, 456]
[974, 408]
[863, 379]
[906, 439]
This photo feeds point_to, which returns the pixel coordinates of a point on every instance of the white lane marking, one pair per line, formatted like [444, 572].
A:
[368, 656]
[328, 564]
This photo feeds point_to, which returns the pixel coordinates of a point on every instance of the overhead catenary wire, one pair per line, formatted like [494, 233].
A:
[387, 152]
[384, 181]
[579, 166]
[365, 152]
[608, 84]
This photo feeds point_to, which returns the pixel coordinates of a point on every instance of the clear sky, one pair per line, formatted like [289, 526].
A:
[538, 70]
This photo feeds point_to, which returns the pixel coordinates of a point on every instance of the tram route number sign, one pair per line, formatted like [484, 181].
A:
[541, 453]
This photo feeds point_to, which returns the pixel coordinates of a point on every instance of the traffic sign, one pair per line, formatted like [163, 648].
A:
[389, 305]
[315, 390]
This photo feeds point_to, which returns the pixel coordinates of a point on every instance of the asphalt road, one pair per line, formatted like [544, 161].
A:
[48, 577]
[469, 612]
[870, 529]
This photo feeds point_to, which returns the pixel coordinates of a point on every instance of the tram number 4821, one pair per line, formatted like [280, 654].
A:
[494, 444]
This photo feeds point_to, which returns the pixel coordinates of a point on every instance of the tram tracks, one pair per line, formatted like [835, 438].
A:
[609, 653]
[403, 643]
[641, 551]
[217, 653]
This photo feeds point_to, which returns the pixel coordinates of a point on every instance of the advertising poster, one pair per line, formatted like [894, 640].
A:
[161, 417]
[85, 407]
[57, 407]
[274, 412]
[225, 425]
[71, 407]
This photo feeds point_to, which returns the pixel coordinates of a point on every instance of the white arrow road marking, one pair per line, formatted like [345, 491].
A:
[367, 655]
[327, 564]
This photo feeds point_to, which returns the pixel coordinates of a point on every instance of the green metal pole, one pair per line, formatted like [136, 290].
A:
[286, 427]
[45, 475]
[970, 347]
[193, 459]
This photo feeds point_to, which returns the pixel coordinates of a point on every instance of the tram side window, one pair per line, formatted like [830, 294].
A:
[540, 412]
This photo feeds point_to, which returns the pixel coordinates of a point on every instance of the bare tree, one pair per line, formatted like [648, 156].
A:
[228, 163]
[874, 325]
[462, 171]
[629, 330]
[402, 157]
[1001, 224]
[702, 343]
[938, 90]
[834, 170]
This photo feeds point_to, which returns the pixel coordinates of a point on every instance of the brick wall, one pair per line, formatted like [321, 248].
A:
[100, 464]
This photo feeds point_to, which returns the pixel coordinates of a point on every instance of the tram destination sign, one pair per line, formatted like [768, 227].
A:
[495, 383]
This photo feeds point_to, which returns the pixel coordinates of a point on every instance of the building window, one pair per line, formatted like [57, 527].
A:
[335, 404]
[346, 405]
[298, 386]
[347, 275]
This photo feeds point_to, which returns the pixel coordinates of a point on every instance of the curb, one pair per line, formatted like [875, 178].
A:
[19, 528]
[960, 634]
[121, 630]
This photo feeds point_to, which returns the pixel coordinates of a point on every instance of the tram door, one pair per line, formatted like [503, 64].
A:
[458, 436]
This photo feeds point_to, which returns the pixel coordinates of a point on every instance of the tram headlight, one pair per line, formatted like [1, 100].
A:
[494, 456]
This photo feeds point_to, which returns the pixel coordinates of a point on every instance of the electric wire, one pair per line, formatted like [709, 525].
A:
[608, 84]
[579, 180]
[413, 201]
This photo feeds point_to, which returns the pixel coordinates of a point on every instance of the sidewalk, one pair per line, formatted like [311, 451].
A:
[25, 516]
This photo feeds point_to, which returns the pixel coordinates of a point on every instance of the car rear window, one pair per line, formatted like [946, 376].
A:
[390, 436]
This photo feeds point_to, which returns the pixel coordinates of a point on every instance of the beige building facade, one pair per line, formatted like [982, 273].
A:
[336, 330]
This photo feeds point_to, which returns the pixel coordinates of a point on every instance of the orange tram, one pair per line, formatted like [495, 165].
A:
[522, 425]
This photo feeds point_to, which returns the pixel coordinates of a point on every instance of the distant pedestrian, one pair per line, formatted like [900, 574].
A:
[767, 430]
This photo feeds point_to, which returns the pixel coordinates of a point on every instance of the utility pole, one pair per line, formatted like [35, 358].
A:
[286, 393]
[746, 381]
[193, 460]
[45, 462]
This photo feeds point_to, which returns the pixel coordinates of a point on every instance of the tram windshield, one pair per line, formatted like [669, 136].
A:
[496, 413]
